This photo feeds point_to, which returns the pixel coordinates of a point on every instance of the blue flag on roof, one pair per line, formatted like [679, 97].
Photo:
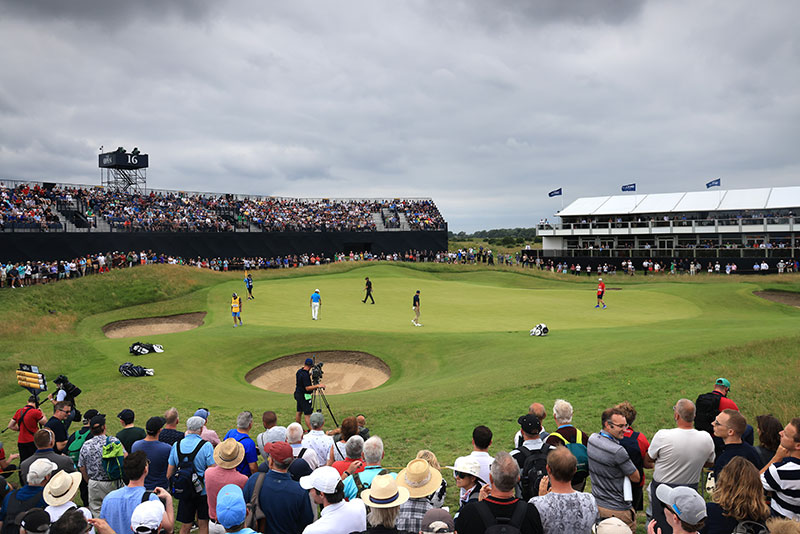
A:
[555, 193]
[629, 187]
[714, 183]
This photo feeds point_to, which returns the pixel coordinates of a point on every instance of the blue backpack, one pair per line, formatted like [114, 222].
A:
[186, 482]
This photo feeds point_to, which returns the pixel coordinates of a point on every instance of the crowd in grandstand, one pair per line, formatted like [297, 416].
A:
[333, 481]
[33, 207]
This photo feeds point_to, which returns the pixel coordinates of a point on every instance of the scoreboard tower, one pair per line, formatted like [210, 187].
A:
[123, 171]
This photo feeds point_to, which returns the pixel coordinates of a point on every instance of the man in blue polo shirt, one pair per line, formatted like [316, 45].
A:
[315, 302]
[244, 422]
[193, 506]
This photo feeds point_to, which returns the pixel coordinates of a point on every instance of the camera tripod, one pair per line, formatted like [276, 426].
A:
[318, 398]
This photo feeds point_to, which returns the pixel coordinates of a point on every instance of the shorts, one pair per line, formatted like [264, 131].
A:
[235, 314]
[303, 405]
[188, 507]
[600, 295]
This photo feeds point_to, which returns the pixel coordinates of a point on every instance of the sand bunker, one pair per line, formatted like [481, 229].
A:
[782, 297]
[154, 325]
[344, 372]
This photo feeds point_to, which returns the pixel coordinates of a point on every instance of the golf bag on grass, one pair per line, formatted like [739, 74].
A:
[128, 369]
[540, 330]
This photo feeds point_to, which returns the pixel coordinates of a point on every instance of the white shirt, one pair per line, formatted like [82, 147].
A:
[340, 518]
[680, 454]
[55, 512]
[309, 456]
[485, 460]
[320, 443]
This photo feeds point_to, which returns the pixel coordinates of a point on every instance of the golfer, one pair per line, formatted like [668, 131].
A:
[415, 307]
[601, 289]
[315, 302]
[236, 309]
[368, 289]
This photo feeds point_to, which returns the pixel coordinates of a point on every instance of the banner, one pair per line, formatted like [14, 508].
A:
[555, 193]
[714, 183]
[629, 187]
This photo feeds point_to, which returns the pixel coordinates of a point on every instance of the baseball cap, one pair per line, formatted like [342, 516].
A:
[317, 419]
[202, 412]
[280, 451]
[724, 382]
[98, 420]
[316, 291]
[231, 508]
[685, 502]
[126, 415]
[147, 516]
[276, 433]
[437, 520]
[612, 525]
[309, 361]
[35, 520]
[88, 414]
[530, 424]
[154, 424]
[41, 467]
[324, 479]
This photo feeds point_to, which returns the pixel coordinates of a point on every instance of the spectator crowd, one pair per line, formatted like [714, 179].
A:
[551, 477]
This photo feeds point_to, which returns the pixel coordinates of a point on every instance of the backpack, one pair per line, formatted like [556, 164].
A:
[74, 449]
[112, 457]
[707, 409]
[533, 467]
[502, 525]
[578, 450]
[749, 527]
[186, 482]
[255, 517]
[16, 510]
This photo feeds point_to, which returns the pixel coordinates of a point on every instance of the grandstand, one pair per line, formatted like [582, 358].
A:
[712, 225]
[89, 218]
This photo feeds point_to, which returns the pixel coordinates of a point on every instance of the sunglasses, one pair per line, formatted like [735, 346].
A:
[460, 474]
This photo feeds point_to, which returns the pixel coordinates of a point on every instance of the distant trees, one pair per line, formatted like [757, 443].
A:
[507, 237]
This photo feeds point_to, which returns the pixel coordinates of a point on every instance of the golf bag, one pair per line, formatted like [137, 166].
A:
[139, 348]
[540, 330]
[128, 369]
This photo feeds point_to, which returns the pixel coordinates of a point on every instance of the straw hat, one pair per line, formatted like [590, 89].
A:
[384, 493]
[61, 488]
[229, 453]
[419, 478]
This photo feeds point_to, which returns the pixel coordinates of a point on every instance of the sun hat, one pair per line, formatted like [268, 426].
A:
[61, 488]
[419, 478]
[229, 453]
[35, 520]
[324, 479]
[147, 516]
[384, 493]
[231, 508]
[437, 521]
[685, 502]
[612, 525]
[469, 466]
[724, 382]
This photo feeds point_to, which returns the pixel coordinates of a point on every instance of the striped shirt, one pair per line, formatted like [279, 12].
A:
[783, 478]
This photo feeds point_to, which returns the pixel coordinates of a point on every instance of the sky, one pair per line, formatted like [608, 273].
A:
[482, 106]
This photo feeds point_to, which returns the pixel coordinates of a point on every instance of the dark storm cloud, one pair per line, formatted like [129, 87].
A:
[113, 13]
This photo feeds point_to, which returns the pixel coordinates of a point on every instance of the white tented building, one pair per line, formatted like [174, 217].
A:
[762, 222]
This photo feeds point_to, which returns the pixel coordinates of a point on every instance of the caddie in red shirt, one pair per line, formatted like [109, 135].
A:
[27, 421]
[601, 289]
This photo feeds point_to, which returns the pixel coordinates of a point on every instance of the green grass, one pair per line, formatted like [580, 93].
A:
[472, 363]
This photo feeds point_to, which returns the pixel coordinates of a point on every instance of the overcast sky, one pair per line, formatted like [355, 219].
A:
[483, 106]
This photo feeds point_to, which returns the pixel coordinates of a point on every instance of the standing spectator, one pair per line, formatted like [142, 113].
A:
[294, 437]
[272, 432]
[195, 505]
[373, 456]
[780, 475]
[348, 429]
[481, 441]
[561, 508]
[738, 496]
[59, 492]
[44, 441]
[152, 517]
[729, 427]
[338, 516]
[74, 444]
[26, 421]
[286, 506]
[437, 521]
[227, 455]
[437, 497]
[91, 465]
[678, 455]
[538, 410]
[685, 510]
[170, 433]
[62, 414]
[467, 472]
[609, 467]
[636, 444]
[232, 510]
[354, 448]
[207, 434]
[25, 498]
[383, 499]
[316, 439]
[157, 454]
[769, 436]
[129, 433]
[363, 431]
[568, 435]
[244, 422]
[118, 506]
[708, 407]
[420, 479]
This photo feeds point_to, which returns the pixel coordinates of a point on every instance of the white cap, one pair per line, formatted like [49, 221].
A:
[316, 291]
[324, 479]
[599, 279]
[39, 469]
[147, 516]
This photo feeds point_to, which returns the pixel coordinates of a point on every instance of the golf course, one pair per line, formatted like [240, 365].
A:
[473, 362]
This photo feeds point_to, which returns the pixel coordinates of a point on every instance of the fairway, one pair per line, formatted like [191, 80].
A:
[472, 363]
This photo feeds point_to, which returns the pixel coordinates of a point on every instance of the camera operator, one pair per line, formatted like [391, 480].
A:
[302, 391]
[67, 391]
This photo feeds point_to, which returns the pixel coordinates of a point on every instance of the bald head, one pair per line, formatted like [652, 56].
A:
[537, 409]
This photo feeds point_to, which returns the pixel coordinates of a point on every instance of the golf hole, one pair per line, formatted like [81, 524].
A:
[344, 371]
[154, 325]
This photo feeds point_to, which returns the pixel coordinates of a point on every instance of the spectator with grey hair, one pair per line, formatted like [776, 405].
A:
[500, 502]
[353, 450]
[316, 439]
[25, 498]
[244, 422]
[678, 456]
[372, 458]
[294, 437]
[194, 506]
[567, 433]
